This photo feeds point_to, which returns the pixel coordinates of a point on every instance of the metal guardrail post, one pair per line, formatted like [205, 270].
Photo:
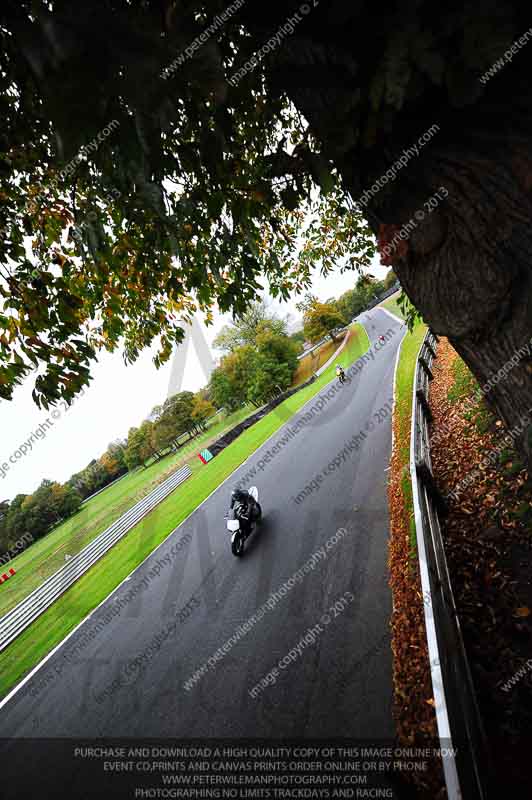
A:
[420, 394]
[425, 365]
[431, 350]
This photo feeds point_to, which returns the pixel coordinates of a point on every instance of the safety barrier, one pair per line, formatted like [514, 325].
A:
[457, 715]
[22, 615]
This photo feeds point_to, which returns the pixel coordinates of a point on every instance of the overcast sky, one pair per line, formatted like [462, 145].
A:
[118, 398]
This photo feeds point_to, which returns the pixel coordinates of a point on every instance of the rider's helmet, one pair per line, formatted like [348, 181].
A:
[240, 495]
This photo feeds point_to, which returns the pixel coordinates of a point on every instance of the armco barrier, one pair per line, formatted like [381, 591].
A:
[19, 618]
[457, 715]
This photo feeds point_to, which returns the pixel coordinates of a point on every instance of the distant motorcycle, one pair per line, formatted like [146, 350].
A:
[340, 374]
[243, 517]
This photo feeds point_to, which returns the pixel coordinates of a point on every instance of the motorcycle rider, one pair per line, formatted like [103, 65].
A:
[340, 373]
[244, 505]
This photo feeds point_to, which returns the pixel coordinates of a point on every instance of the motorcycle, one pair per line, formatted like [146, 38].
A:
[341, 376]
[241, 527]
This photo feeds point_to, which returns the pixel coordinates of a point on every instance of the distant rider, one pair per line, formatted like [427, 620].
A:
[340, 373]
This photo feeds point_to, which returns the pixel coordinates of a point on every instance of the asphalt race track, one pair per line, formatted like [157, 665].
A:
[338, 685]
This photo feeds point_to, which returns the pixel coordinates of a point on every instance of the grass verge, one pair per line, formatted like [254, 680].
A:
[412, 686]
[92, 588]
[403, 418]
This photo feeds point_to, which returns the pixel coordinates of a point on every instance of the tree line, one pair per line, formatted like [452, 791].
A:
[259, 359]
[53, 502]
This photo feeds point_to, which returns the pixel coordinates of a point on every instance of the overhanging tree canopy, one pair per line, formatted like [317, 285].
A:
[187, 187]
[199, 185]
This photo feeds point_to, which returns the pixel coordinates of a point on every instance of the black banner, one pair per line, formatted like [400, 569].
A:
[213, 769]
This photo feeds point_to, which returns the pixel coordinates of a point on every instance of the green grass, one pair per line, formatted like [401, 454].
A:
[391, 304]
[52, 626]
[47, 555]
[403, 410]
[463, 382]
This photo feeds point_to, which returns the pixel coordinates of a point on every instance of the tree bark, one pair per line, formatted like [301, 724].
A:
[468, 269]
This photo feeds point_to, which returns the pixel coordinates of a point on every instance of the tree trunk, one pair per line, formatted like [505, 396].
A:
[467, 266]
